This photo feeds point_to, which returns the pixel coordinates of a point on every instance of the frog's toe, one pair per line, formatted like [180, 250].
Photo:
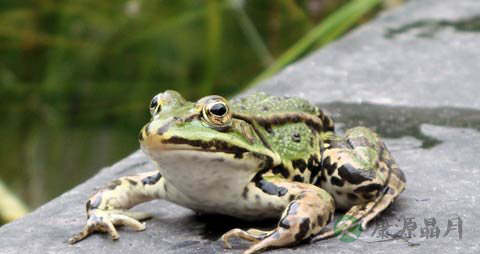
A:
[136, 215]
[79, 236]
[119, 219]
[252, 235]
[105, 221]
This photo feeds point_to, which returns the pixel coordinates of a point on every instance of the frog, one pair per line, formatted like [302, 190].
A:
[254, 157]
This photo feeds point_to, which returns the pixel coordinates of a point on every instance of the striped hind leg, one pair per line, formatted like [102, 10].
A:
[395, 186]
[367, 212]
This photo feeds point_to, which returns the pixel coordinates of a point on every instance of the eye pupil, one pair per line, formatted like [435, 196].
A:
[218, 109]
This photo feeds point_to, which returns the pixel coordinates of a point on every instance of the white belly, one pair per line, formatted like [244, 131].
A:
[210, 182]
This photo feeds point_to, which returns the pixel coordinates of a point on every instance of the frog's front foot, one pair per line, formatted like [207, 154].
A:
[106, 220]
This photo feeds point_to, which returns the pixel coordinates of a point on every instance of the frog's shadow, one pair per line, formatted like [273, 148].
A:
[216, 225]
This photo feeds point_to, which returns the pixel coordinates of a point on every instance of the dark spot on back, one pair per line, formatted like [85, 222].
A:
[328, 166]
[353, 175]
[280, 169]
[369, 188]
[299, 164]
[314, 166]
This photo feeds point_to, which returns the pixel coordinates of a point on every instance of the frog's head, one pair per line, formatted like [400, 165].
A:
[203, 141]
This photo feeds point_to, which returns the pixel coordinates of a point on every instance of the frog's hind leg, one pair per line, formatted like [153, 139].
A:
[373, 194]
[367, 212]
[307, 210]
[363, 212]
[396, 185]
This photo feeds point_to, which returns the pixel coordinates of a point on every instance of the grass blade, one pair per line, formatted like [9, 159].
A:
[332, 27]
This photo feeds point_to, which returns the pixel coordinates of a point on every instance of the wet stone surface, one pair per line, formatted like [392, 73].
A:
[411, 75]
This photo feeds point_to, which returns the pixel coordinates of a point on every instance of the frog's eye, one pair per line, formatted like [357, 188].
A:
[154, 105]
[217, 112]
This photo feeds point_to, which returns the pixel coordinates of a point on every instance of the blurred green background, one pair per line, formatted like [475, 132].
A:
[76, 77]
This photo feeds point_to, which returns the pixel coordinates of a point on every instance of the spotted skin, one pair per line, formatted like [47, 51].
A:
[255, 157]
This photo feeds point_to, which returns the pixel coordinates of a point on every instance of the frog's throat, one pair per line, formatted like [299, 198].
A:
[199, 175]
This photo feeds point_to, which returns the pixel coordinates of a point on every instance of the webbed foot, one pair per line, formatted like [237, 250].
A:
[106, 220]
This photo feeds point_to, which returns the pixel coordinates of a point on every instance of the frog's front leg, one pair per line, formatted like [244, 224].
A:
[109, 206]
[308, 209]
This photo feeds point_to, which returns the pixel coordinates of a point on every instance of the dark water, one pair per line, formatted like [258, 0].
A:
[429, 27]
[397, 122]
[40, 162]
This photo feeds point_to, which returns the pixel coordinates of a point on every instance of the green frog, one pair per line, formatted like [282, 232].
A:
[254, 158]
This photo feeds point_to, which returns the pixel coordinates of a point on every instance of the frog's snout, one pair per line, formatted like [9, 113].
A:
[156, 128]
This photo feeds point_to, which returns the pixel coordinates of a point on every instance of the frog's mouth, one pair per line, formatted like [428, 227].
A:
[157, 145]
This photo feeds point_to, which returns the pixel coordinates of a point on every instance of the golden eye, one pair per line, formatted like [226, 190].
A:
[217, 112]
